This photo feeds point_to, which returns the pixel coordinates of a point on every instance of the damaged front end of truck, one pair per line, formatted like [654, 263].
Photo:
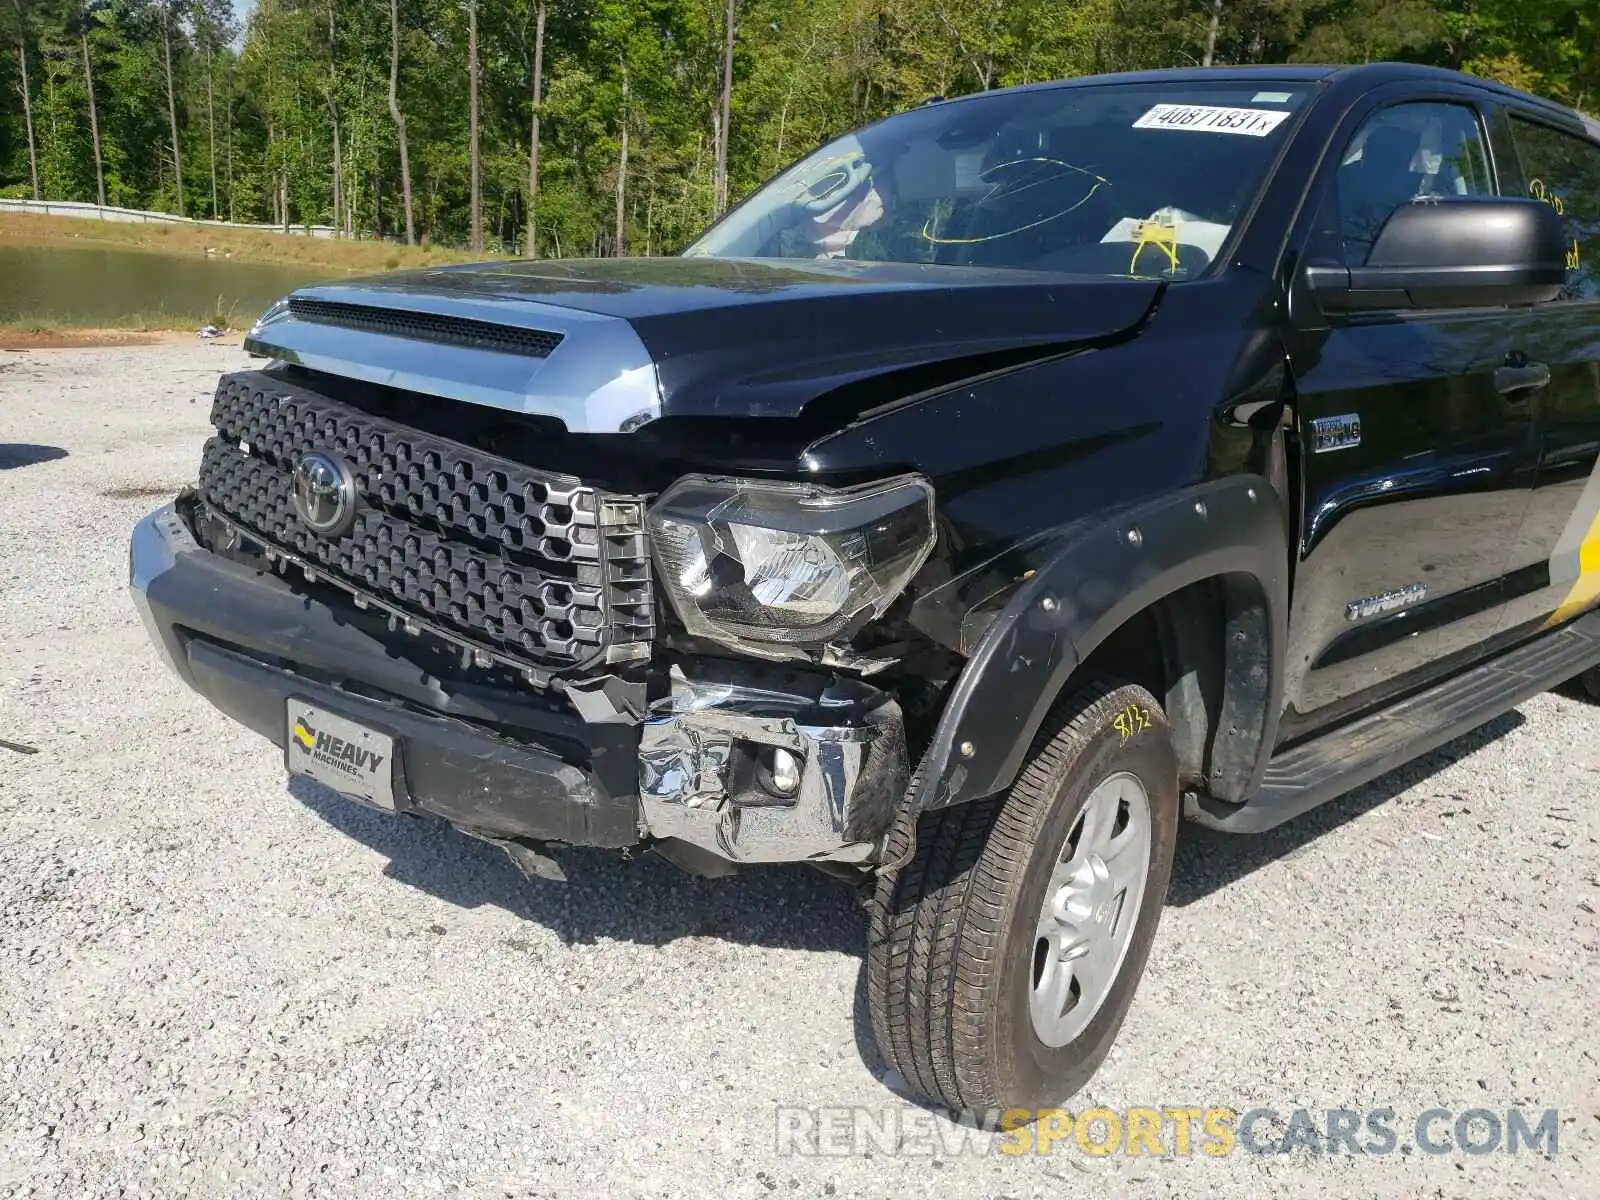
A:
[568, 544]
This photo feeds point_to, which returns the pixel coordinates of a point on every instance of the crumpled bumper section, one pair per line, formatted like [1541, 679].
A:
[709, 773]
[737, 763]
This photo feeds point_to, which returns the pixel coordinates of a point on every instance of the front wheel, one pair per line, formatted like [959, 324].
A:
[1004, 956]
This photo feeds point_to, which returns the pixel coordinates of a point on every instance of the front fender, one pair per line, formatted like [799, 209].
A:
[1099, 578]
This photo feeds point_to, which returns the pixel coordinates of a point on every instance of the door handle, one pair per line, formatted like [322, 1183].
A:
[1523, 377]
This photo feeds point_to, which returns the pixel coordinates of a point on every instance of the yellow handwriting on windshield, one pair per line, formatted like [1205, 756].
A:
[1003, 190]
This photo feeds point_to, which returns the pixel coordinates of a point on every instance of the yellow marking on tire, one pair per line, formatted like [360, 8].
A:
[1131, 721]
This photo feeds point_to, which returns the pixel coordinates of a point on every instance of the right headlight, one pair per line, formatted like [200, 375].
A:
[777, 569]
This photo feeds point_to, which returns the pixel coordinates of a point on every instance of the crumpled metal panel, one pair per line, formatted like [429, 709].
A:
[685, 764]
[691, 788]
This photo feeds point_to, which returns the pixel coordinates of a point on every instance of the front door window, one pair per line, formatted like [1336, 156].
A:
[1403, 154]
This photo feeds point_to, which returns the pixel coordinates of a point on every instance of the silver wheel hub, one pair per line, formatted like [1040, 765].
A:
[1090, 910]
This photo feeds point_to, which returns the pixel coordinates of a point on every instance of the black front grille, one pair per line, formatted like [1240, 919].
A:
[522, 566]
[427, 327]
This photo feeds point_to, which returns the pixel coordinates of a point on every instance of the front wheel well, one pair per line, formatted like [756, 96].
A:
[1203, 650]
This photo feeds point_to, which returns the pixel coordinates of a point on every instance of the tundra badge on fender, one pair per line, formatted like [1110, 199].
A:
[1386, 602]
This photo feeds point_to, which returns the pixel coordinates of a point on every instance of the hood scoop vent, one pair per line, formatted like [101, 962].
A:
[427, 327]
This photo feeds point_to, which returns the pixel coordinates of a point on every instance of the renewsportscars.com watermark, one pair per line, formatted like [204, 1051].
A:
[1166, 1131]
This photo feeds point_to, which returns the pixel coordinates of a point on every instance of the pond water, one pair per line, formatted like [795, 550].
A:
[91, 285]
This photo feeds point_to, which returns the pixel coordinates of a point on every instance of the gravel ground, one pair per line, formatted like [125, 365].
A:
[214, 983]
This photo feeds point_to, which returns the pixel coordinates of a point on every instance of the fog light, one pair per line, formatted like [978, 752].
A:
[780, 773]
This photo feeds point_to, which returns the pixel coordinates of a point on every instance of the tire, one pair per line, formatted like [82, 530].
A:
[955, 963]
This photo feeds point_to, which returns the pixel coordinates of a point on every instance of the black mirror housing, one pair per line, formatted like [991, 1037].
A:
[1456, 252]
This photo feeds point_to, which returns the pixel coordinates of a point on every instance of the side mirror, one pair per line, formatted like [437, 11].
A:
[1458, 252]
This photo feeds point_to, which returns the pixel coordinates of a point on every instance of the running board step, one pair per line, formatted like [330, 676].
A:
[1333, 763]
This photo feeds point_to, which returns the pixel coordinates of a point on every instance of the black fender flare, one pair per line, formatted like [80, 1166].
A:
[1099, 577]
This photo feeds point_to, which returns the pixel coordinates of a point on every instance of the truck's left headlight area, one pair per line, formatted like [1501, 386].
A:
[778, 569]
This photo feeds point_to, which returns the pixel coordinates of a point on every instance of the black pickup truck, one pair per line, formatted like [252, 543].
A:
[998, 486]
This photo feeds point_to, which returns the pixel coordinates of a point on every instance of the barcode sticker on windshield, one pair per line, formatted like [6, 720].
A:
[1206, 118]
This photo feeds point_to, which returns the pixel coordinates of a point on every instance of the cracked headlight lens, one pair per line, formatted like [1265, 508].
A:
[776, 568]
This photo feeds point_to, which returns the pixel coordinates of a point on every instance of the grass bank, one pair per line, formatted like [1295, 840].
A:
[204, 241]
[127, 329]
[28, 336]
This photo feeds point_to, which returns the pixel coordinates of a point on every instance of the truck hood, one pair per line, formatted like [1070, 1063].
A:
[606, 346]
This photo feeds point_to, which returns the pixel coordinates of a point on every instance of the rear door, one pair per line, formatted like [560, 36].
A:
[1416, 469]
[1555, 567]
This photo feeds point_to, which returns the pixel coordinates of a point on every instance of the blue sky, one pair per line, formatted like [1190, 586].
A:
[241, 9]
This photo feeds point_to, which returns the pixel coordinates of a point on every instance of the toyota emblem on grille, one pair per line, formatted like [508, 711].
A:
[324, 494]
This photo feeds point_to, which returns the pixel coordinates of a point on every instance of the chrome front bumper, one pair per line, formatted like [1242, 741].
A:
[702, 779]
[153, 551]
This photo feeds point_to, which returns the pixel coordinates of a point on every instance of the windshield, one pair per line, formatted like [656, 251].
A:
[1145, 180]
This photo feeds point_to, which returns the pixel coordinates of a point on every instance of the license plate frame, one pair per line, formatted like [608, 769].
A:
[351, 757]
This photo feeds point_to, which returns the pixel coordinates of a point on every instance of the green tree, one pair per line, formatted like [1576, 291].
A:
[604, 126]
[398, 116]
[214, 28]
[80, 20]
[20, 29]
[171, 13]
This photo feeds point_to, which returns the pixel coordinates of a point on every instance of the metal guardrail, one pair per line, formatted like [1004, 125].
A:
[95, 212]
